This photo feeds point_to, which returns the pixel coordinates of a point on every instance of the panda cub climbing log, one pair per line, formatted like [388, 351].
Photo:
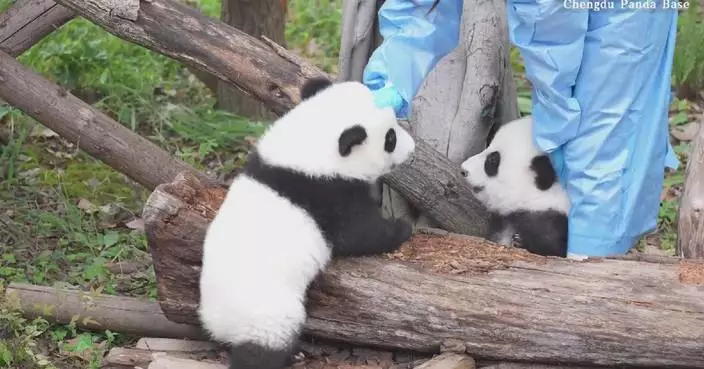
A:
[517, 183]
[303, 197]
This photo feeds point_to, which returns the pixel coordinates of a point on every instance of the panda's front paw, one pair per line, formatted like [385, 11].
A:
[404, 231]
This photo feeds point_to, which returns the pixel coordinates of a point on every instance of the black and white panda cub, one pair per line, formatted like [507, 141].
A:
[517, 183]
[302, 198]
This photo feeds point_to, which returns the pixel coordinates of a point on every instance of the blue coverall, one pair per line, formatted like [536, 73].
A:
[601, 92]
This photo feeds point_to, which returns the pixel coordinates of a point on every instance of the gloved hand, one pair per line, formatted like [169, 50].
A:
[388, 96]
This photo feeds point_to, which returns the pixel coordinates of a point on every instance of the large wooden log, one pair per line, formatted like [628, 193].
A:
[274, 76]
[87, 127]
[497, 303]
[690, 218]
[27, 21]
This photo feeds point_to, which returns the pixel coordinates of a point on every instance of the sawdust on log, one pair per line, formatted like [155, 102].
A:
[458, 254]
[202, 199]
[691, 272]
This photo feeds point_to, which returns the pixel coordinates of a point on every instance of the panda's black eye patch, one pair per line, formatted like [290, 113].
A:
[491, 163]
[390, 140]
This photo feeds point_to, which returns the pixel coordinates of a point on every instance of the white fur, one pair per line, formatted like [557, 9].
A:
[513, 187]
[306, 137]
[261, 251]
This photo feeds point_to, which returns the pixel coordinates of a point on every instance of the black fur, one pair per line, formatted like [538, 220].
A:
[253, 356]
[351, 137]
[491, 163]
[390, 141]
[314, 85]
[545, 175]
[541, 232]
[343, 209]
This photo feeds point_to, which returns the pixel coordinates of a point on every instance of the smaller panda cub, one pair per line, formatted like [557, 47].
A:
[517, 183]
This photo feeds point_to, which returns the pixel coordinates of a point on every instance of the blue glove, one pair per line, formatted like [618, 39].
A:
[601, 93]
[389, 97]
[414, 41]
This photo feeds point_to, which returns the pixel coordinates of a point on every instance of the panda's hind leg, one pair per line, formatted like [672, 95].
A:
[255, 356]
[267, 330]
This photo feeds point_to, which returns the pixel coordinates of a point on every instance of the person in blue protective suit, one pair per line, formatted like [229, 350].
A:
[601, 92]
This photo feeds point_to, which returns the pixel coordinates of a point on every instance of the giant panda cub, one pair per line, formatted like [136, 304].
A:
[302, 198]
[517, 183]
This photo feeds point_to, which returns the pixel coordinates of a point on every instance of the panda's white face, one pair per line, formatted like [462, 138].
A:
[338, 131]
[513, 174]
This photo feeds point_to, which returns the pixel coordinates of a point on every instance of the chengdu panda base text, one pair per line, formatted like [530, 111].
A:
[518, 185]
[302, 198]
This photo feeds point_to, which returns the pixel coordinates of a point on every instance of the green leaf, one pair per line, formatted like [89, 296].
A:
[5, 355]
[525, 105]
[83, 343]
[110, 239]
[4, 110]
[680, 118]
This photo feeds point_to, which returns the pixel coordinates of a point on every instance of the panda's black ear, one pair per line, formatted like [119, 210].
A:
[545, 175]
[313, 86]
[351, 137]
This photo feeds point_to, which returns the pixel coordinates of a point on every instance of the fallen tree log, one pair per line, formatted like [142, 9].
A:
[87, 127]
[95, 311]
[690, 216]
[27, 21]
[270, 73]
[499, 303]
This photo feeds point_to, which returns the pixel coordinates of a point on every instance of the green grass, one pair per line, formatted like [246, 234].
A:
[68, 218]
[688, 66]
[67, 214]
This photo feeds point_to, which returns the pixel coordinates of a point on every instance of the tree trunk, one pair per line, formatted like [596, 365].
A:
[462, 292]
[690, 218]
[257, 18]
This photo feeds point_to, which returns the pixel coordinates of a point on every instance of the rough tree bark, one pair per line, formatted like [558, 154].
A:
[256, 18]
[275, 76]
[359, 37]
[27, 21]
[87, 127]
[495, 302]
[690, 218]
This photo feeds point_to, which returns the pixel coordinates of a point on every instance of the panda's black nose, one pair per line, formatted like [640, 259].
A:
[464, 173]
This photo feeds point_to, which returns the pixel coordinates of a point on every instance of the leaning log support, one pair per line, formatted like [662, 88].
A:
[494, 302]
[87, 127]
[27, 21]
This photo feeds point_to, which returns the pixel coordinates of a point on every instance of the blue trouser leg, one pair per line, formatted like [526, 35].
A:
[601, 93]
[614, 167]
